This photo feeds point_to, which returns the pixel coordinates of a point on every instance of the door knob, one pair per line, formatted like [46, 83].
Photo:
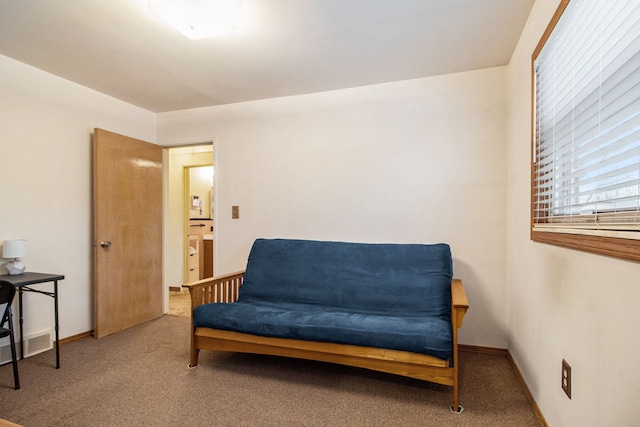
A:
[105, 244]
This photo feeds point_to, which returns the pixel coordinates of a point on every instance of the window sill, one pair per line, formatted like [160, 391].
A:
[619, 248]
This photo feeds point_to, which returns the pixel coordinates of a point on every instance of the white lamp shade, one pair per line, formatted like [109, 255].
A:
[14, 248]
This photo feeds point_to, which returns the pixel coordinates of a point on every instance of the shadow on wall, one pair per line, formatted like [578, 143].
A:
[483, 318]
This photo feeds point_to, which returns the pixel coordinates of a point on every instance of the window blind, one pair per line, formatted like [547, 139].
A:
[586, 173]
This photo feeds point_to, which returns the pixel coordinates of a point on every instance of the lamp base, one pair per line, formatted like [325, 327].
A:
[15, 267]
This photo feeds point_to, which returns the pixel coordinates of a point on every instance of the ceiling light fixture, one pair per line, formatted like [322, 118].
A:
[198, 19]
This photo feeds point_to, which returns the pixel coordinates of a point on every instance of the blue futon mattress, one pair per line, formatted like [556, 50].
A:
[425, 335]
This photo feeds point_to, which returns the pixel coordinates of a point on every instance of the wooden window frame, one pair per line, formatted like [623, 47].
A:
[628, 249]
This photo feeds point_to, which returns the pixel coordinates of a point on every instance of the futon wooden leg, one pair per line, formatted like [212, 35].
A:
[193, 356]
[456, 408]
[193, 359]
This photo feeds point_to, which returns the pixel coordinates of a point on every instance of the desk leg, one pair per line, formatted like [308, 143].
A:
[20, 321]
[55, 312]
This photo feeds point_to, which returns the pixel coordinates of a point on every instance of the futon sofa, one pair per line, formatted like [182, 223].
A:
[387, 307]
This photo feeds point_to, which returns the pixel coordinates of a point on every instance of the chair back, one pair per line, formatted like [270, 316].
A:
[7, 292]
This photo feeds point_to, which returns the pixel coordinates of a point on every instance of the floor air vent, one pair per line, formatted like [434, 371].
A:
[33, 344]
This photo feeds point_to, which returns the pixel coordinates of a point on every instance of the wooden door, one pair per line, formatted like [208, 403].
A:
[127, 221]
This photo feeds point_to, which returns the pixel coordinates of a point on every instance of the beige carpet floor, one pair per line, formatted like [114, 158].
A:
[180, 303]
[139, 377]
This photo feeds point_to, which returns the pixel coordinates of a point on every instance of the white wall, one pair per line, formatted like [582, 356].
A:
[46, 126]
[565, 303]
[412, 161]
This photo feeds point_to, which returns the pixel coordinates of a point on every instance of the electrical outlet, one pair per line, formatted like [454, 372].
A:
[566, 378]
[235, 212]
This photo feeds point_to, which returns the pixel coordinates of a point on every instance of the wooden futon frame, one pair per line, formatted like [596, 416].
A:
[225, 289]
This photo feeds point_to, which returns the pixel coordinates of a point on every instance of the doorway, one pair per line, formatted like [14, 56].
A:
[179, 203]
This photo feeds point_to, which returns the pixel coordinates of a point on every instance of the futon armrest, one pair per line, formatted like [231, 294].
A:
[223, 288]
[459, 302]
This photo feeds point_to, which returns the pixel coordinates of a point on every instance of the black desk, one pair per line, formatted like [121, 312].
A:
[21, 282]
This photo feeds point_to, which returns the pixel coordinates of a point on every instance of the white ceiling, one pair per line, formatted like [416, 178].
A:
[282, 47]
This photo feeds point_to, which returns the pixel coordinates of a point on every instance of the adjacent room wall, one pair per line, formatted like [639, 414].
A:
[565, 303]
[46, 126]
[413, 161]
